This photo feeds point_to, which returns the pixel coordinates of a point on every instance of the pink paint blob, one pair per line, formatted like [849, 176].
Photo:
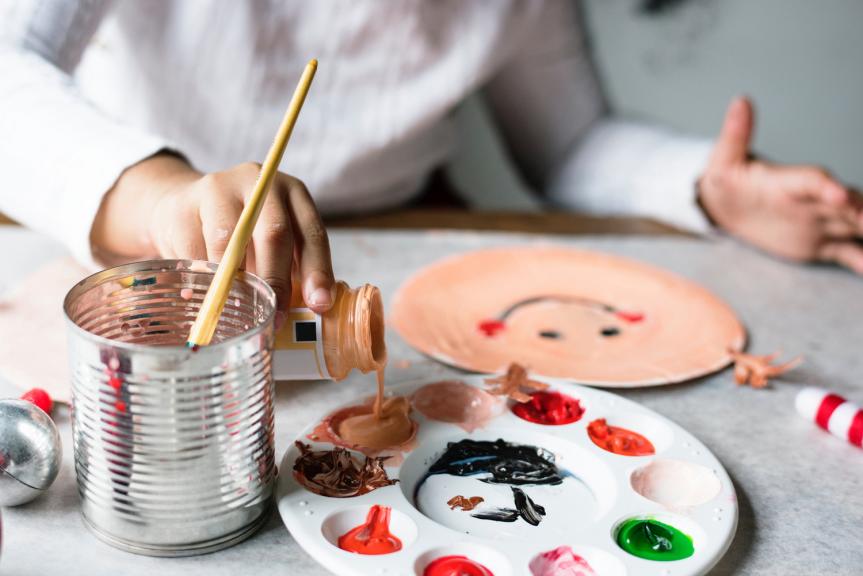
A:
[187, 293]
[561, 561]
[458, 403]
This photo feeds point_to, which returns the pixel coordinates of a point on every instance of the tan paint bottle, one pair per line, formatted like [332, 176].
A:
[350, 335]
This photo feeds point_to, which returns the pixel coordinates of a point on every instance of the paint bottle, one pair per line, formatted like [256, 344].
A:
[328, 346]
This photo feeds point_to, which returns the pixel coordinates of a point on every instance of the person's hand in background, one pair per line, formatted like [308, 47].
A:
[800, 213]
[163, 207]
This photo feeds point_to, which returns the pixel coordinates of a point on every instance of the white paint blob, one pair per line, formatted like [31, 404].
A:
[675, 483]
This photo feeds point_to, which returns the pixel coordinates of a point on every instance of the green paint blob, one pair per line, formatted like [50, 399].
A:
[654, 540]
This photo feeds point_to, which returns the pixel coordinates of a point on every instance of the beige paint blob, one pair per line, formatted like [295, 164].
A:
[675, 484]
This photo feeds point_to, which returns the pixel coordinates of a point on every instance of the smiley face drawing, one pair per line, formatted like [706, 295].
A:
[589, 317]
[555, 305]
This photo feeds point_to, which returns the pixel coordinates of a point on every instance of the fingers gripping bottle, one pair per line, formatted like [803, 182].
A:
[328, 346]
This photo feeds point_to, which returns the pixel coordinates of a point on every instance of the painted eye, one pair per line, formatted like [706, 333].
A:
[550, 334]
[610, 331]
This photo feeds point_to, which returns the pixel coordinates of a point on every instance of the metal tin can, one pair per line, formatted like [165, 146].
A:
[174, 447]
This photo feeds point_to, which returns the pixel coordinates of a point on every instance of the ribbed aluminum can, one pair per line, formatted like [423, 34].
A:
[174, 447]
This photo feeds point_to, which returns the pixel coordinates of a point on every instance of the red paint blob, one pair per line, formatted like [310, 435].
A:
[549, 408]
[491, 327]
[372, 537]
[115, 382]
[40, 398]
[619, 440]
[631, 317]
[456, 566]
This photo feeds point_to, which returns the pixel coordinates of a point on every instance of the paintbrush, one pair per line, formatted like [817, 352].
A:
[214, 301]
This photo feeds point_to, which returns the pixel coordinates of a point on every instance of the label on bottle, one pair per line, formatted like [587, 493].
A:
[299, 349]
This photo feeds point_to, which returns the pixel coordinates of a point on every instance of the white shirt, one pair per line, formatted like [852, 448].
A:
[91, 87]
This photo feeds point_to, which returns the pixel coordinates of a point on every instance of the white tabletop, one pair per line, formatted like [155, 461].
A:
[799, 489]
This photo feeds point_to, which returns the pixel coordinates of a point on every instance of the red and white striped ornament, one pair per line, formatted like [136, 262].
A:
[833, 413]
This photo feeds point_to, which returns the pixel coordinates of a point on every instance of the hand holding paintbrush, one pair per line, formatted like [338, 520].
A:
[214, 302]
[162, 207]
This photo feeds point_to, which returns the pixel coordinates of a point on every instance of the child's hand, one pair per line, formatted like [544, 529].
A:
[164, 207]
[795, 212]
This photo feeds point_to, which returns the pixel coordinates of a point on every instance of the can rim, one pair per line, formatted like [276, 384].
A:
[160, 265]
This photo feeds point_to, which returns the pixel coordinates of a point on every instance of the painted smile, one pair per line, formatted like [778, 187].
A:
[493, 326]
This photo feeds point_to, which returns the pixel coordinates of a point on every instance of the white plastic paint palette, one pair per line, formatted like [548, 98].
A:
[682, 485]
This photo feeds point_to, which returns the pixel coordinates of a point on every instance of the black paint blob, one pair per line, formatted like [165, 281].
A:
[527, 509]
[498, 514]
[610, 331]
[505, 463]
[530, 511]
[550, 334]
[500, 462]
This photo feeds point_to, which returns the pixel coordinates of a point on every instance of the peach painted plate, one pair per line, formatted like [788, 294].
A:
[585, 316]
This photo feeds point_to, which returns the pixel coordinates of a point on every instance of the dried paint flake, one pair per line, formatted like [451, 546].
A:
[512, 383]
[465, 503]
[757, 370]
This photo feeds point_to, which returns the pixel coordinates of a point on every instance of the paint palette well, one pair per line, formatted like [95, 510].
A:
[589, 317]
[556, 496]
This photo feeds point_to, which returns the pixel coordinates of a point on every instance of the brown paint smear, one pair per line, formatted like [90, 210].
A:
[684, 330]
[464, 502]
[336, 473]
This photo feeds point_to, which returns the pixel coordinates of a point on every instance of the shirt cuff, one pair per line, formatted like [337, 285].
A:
[623, 168]
[83, 198]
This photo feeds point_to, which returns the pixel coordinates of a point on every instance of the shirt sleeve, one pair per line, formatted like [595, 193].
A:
[59, 154]
[549, 108]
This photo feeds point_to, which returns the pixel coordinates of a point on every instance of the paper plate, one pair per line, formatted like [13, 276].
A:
[592, 318]
[681, 485]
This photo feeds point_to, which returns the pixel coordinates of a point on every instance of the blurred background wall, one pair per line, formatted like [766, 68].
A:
[800, 60]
